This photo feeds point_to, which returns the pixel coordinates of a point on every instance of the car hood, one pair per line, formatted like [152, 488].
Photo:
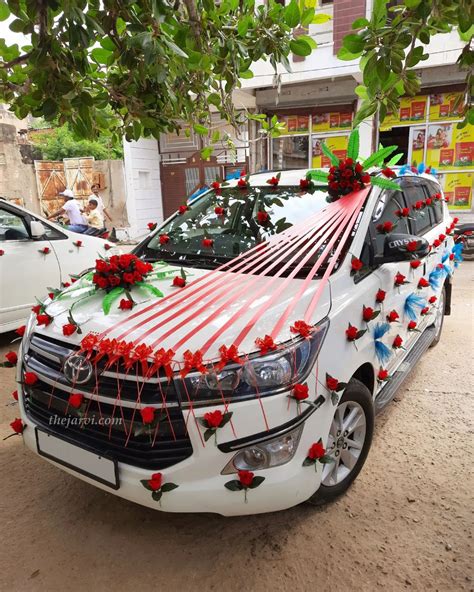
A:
[189, 324]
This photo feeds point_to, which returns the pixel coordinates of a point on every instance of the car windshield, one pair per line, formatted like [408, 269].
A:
[235, 220]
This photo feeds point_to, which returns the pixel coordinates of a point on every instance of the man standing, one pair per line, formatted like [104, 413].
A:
[100, 204]
[72, 210]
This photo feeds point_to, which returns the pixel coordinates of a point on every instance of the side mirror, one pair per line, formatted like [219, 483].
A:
[37, 229]
[402, 247]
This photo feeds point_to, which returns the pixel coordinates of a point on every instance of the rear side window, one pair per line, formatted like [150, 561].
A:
[415, 190]
[431, 188]
[389, 203]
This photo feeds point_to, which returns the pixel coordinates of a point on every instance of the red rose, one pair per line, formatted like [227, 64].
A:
[17, 426]
[78, 243]
[242, 183]
[214, 418]
[365, 178]
[128, 278]
[399, 279]
[125, 304]
[151, 226]
[215, 185]
[442, 237]
[424, 311]
[101, 265]
[418, 205]
[332, 383]
[219, 211]
[397, 342]
[348, 162]
[46, 250]
[262, 217]
[455, 220]
[21, 330]
[380, 296]
[403, 213]
[356, 264]
[385, 228]
[273, 181]
[387, 172]
[423, 283]
[428, 201]
[351, 333]
[11, 357]
[179, 282]
[246, 478]
[30, 378]
[436, 243]
[69, 329]
[114, 280]
[51, 295]
[367, 313]
[164, 238]
[300, 392]
[155, 481]
[383, 374]
[393, 316]
[75, 400]
[207, 243]
[2, 252]
[36, 309]
[412, 246]
[432, 300]
[43, 319]
[358, 167]
[182, 210]
[107, 246]
[316, 451]
[451, 257]
[304, 184]
[148, 414]
[411, 325]
[102, 282]
[15, 395]
[415, 264]
[66, 284]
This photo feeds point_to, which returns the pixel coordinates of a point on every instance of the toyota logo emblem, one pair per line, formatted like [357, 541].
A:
[77, 369]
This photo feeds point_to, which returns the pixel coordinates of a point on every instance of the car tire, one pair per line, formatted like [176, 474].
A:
[439, 319]
[355, 399]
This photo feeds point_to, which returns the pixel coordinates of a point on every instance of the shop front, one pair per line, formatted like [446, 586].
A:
[425, 129]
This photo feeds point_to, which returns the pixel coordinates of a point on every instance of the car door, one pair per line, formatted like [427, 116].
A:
[27, 267]
[396, 280]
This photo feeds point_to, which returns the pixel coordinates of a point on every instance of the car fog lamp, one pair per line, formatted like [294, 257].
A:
[264, 455]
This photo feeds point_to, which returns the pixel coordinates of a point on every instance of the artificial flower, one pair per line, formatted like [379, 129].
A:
[179, 282]
[423, 283]
[75, 400]
[30, 378]
[380, 296]
[125, 304]
[356, 264]
[207, 243]
[148, 414]
[415, 264]
[393, 316]
[164, 238]
[300, 392]
[397, 342]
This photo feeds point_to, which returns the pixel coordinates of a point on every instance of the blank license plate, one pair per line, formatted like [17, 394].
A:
[89, 464]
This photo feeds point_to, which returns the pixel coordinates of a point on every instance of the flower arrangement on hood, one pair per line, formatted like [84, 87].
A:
[348, 175]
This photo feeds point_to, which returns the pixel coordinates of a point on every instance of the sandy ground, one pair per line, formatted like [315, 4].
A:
[406, 524]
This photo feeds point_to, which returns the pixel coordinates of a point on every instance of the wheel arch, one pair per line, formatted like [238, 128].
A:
[366, 375]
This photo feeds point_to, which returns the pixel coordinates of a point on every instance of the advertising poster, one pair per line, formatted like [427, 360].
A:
[337, 144]
[334, 121]
[417, 141]
[449, 147]
[457, 189]
[446, 106]
[295, 124]
[412, 110]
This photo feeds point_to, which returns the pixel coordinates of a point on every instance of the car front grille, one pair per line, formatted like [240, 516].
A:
[105, 424]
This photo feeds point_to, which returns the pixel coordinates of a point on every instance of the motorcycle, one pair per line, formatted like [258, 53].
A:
[464, 233]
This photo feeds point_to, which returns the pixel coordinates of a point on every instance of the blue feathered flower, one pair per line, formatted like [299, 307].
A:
[421, 168]
[457, 250]
[404, 169]
[412, 302]
[435, 278]
[446, 269]
[382, 352]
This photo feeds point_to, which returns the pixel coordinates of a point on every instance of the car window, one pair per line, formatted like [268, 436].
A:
[52, 233]
[421, 219]
[431, 189]
[388, 205]
[12, 227]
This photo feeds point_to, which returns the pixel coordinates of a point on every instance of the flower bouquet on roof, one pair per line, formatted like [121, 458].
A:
[348, 175]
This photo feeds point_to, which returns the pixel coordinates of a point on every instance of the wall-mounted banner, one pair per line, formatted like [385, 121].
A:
[446, 106]
[295, 124]
[449, 147]
[412, 110]
[457, 189]
[330, 122]
[337, 145]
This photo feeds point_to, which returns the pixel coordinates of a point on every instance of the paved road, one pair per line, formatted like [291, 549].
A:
[406, 524]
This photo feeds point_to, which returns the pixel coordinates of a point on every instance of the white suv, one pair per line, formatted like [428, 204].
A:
[290, 424]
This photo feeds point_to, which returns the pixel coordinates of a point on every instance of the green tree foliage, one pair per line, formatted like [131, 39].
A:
[156, 63]
[394, 41]
[61, 142]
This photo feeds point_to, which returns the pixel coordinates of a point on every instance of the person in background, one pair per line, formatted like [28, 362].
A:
[92, 214]
[72, 210]
[100, 204]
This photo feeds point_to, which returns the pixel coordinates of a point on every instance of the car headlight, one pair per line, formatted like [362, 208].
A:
[264, 455]
[272, 373]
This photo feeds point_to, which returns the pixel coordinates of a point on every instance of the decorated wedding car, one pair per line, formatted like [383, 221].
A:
[234, 362]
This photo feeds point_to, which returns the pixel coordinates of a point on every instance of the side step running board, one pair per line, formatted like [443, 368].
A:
[390, 389]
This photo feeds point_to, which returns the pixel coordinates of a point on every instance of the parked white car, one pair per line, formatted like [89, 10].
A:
[270, 434]
[34, 255]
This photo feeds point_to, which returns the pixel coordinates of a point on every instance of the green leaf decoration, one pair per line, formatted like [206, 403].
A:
[394, 160]
[353, 146]
[166, 487]
[378, 157]
[333, 158]
[308, 462]
[156, 495]
[145, 484]
[384, 183]
[226, 418]
[256, 482]
[234, 485]
[209, 433]
[110, 298]
[317, 176]
[149, 288]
